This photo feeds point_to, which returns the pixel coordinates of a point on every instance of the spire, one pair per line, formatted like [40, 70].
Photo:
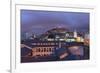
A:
[75, 33]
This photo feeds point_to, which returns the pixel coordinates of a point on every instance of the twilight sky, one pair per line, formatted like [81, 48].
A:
[38, 22]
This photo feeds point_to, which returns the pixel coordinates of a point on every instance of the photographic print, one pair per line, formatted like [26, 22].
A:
[54, 36]
[51, 36]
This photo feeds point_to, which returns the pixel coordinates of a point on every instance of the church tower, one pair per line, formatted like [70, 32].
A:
[75, 34]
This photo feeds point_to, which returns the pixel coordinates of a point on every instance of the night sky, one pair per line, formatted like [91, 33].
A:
[38, 22]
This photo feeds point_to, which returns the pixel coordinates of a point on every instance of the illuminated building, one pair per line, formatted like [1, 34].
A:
[79, 39]
[70, 39]
[48, 42]
[75, 34]
[60, 34]
[41, 48]
[87, 39]
[42, 51]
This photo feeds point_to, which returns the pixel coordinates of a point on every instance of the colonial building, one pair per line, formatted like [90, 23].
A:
[45, 48]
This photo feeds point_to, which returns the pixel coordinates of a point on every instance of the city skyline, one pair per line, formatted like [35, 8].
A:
[38, 22]
[54, 36]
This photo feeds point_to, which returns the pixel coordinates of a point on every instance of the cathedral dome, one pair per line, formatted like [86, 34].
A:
[58, 30]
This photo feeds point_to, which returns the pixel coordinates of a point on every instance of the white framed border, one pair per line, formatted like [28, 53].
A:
[17, 67]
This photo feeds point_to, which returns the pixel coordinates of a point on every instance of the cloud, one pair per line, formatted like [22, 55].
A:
[34, 20]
